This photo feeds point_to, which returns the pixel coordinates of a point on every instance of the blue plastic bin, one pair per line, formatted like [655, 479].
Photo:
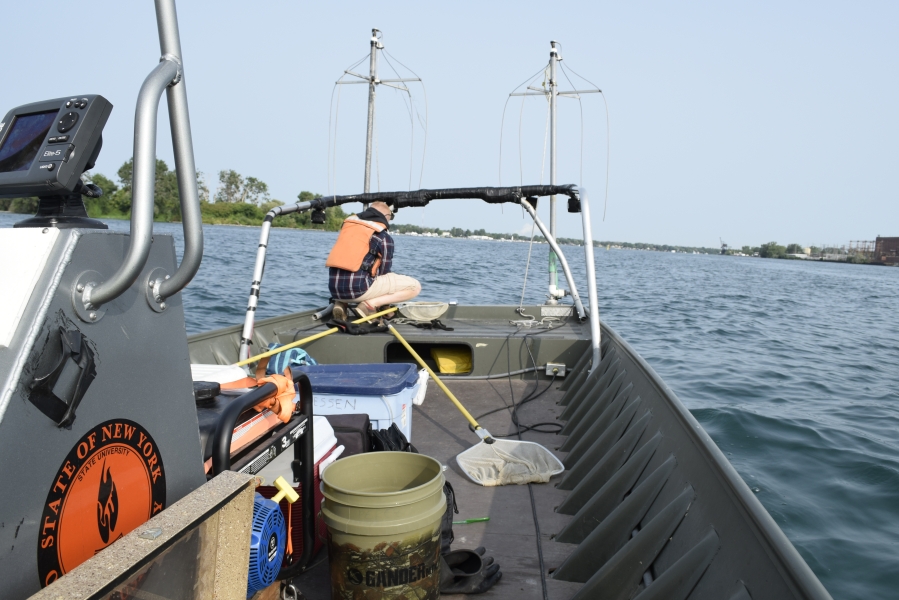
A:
[382, 391]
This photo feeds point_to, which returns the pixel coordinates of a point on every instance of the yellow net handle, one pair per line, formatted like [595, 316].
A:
[482, 433]
[311, 338]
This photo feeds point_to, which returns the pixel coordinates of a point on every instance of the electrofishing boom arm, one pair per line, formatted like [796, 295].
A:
[417, 198]
[491, 195]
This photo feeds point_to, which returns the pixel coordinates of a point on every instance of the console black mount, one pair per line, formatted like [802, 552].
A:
[44, 149]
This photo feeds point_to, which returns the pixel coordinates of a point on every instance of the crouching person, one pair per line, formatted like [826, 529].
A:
[360, 262]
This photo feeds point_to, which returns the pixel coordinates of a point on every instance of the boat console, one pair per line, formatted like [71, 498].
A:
[95, 385]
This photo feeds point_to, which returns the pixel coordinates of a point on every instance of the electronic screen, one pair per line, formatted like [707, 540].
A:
[25, 138]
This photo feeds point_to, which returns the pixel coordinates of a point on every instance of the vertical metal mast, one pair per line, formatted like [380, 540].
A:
[552, 94]
[553, 59]
[372, 83]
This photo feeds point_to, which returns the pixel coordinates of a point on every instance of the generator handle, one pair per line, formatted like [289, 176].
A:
[224, 428]
[304, 452]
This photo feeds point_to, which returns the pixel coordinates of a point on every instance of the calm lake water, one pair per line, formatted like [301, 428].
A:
[792, 367]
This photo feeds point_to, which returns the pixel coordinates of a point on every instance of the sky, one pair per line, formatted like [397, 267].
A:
[747, 122]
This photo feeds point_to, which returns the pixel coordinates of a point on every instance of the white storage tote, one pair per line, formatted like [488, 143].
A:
[383, 391]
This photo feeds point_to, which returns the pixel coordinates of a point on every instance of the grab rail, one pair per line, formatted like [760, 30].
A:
[143, 185]
[167, 75]
[185, 167]
[591, 278]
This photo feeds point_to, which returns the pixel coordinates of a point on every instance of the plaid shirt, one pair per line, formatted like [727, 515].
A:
[347, 285]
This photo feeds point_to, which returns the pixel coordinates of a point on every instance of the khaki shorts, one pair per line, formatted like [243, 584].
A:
[387, 284]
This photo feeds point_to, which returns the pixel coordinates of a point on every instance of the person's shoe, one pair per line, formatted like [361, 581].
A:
[364, 309]
[339, 311]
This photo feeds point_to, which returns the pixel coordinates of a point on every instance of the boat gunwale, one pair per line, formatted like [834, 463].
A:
[786, 557]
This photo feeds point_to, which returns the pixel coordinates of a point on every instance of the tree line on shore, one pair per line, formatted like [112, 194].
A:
[238, 200]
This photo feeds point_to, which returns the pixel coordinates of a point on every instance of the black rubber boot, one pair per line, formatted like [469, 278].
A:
[468, 572]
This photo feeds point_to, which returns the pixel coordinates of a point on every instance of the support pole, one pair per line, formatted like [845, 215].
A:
[372, 91]
[553, 92]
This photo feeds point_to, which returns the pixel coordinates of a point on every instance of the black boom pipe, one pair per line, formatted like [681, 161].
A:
[491, 195]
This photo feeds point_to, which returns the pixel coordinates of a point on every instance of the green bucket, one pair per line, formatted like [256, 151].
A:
[383, 511]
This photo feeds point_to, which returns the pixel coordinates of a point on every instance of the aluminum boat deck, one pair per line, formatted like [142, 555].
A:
[648, 507]
[510, 536]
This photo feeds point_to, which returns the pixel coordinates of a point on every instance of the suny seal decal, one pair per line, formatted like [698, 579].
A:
[112, 481]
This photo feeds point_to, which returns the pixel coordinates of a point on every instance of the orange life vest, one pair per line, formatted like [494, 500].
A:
[352, 245]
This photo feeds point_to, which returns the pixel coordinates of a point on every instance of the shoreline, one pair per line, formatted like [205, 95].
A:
[609, 246]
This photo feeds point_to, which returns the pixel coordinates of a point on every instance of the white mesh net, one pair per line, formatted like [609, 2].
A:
[423, 311]
[507, 462]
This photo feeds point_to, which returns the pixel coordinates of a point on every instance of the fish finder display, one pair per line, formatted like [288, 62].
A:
[24, 140]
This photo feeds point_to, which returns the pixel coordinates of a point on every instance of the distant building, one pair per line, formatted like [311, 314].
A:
[886, 250]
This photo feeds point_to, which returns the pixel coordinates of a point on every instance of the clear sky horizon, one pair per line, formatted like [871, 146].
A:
[749, 122]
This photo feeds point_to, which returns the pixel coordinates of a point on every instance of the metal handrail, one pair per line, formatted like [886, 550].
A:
[167, 76]
[591, 277]
[143, 184]
[581, 313]
[185, 167]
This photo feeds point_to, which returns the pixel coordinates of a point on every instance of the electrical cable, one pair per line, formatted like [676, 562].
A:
[425, 92]
[409, 109]
[545, 140]
[330, 113]
[322, 558]
[533, 395]
[336, 112]
[503, 375]
[527, 266]
[521, 428]
[520, 123]
[581, 107]
[538, 537]
[503, 121]
[608, 138]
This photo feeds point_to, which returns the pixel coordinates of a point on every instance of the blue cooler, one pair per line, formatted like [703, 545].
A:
[382, 391]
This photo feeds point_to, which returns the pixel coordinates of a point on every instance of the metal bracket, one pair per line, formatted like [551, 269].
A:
[152, 287]
[85, 310]
[557, 369]
[556, 311]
